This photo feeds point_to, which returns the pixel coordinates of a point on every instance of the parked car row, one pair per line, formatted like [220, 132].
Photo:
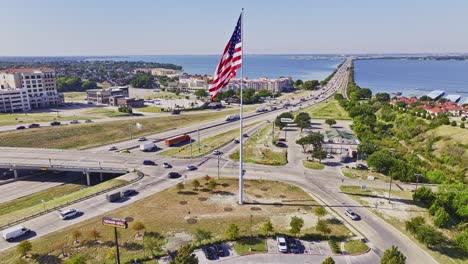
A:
[287, 244]
[214, 252]
[55, 123]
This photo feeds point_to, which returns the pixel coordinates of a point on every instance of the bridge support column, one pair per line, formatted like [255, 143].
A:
[101, 176]
[15, 172]
[88, 179]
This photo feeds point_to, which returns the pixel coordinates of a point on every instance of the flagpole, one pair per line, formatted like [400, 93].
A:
[241, 165]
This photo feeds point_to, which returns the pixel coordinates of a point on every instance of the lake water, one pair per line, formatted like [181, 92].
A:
[413, 77]
[304, 67]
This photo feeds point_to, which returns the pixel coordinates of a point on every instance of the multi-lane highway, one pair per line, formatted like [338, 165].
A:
[322, 184]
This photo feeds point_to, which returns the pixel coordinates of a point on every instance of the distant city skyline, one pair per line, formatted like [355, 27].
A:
[145, 27]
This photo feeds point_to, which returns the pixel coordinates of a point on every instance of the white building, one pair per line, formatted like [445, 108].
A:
[272, 85]
[28, 88]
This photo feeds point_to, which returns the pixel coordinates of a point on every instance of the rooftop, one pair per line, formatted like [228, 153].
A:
[29, 70]
[435, 94]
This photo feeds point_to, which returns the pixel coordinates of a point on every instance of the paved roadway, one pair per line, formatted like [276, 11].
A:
[324, 185]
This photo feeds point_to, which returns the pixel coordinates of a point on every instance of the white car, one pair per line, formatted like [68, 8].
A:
[216, 152]
[329, 156]
[282, 244]
[69, 213]
[351, 214]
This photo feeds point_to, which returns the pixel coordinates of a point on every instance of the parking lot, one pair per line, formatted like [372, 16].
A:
[305, 247]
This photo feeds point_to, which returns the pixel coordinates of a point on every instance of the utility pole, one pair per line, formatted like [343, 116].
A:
[273, 134]
[198, 131]
[417, 180]
[191, 149]
[390, 188]
[130, 130]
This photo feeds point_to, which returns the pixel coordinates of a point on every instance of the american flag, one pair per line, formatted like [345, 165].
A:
[231, 60]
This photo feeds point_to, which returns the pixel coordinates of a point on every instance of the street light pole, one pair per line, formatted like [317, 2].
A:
[218, 166]
[130, 130]
[198, 131]
[390, 188]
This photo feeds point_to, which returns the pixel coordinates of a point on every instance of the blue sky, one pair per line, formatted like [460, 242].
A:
[151, 27]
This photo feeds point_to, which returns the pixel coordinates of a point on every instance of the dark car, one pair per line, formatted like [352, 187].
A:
[149, 162]
[219, 250]
[173, 175]
[362, 167]
[209, 252]
[236, 141]
[191, 167]
[175, 112]
[55, 123]
[128, 192]
[34, 126]
[281, 145]
[293, 245]
[245, 135]
[20, 127]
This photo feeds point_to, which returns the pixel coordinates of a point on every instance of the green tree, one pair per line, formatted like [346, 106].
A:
[320, 155]
[278, 122]
[310, 85]
[196, 184]
[154, 245]
[382, 97]
[296, 225]
[413, 224]
[302, 120]
[267, 228]
[232, 232]
[76, 259]
[462, 125]
[338, 97]
[143, 80]
[298, 83]
[367, 148]
[87, 85]
[328, 260]
[453, 123]
[423, 194]
[304, 142]
[315, 140]
[201, 93]
[322, 227]
[381, 160]
[441, 218]
[180, 186]
[138, 226]
[330, 122]
[429, 236]
[393, 256]
[202, 235]
[23, 247]
[185, 256]
[320, 211]
[461, 239]
[212, 185]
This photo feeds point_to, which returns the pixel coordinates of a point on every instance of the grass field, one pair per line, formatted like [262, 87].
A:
[32, 204]
[149, 109]
[259, 149]
[294, 95]
[95, 134]
[171, 212]
[400, 210]
[207, 145]
[355, 247]
[328, 109]
[74, 96]
[314, 165]
[256, 244]
[104, 112]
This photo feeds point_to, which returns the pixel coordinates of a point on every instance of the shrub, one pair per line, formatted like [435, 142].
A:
[393, 256]
[334, 246]
[453, 123]
[441, 218]
[424, 194]
[429, 236]
[413, 224]
[462, 125]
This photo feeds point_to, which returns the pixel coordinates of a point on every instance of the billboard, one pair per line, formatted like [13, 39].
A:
[115, 222]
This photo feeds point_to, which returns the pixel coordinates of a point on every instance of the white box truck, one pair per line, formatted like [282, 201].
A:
[15, 232]
[147, 146]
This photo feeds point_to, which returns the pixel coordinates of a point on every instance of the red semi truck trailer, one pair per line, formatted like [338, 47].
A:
[176, 140]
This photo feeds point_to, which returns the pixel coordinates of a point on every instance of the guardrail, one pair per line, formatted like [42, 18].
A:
[140, 176]
[53, 167]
